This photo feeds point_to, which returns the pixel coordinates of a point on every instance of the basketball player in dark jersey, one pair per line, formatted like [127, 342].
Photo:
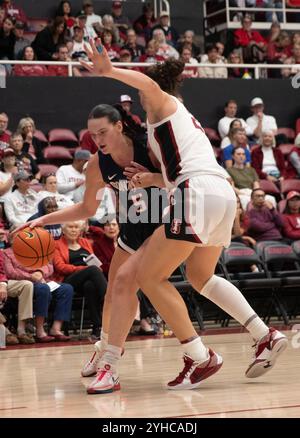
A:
[122, 151]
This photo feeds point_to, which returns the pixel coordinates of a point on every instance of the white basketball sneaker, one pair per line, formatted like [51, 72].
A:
[267, 350]
[91, 366]
[106, 381]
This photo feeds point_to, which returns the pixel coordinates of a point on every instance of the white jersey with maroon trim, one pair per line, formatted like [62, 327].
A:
[181, 146]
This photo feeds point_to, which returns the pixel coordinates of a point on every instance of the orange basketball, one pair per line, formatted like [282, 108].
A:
[33, 248]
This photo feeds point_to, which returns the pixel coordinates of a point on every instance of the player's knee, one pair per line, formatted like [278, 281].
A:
[122, 282]
[197, 279]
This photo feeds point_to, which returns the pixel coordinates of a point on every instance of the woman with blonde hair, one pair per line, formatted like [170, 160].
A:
[32, 144]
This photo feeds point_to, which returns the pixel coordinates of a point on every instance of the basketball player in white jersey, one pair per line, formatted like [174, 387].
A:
[188, 163]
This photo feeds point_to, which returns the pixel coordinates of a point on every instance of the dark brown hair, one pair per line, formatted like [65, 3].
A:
[167, 75]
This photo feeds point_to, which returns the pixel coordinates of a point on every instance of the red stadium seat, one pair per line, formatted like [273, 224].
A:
[293, 3]
[288, 185]
[41, 136]
[58, 155]
[288, 132]
[268, 187]
[281, 205]
[47, 168]
[213, 136]
[63, 137]
[81, 134]
[30, 36]
[286, 148]
[298, 126]
[37, 24]
[36, 187]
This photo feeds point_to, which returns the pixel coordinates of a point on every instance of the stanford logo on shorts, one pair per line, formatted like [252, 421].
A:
[176, 226]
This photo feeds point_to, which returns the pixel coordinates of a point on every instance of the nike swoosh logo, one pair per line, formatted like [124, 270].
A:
[111, 177]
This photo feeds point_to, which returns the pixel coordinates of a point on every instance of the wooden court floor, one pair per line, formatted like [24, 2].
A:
[46, 382]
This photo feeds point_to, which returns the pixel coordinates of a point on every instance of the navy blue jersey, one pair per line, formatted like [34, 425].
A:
[136, 201]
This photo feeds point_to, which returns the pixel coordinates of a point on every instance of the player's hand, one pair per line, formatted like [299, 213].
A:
[39, 222]
[97, 54]
[133, 169]
[142, 179]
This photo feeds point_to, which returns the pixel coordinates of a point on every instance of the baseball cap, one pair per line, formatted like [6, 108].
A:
[164, 14]
[19, 25]
[117, 5]
[82, 154]
[125, 98]
[22, 175]
[8, 151]
[256, 101]
[125, 52]
[292, 194]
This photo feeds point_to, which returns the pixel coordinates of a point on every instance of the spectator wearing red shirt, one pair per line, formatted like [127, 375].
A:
[113, 50]
[291, 216]
[29, 70]
[4, 136]
[267, 160]
[251, 41]
[14, 11]
[60, 70]
[104, 242]
[65, 10]
[143, 25]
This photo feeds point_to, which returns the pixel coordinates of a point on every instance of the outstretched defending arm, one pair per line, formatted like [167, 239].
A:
[82, 210]
[102, 66]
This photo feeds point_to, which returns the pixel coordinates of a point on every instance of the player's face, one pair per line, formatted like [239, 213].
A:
[105, 134]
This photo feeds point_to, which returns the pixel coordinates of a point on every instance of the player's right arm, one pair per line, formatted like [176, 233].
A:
[82, 210]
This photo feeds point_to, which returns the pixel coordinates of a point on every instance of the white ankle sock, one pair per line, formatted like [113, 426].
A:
[103, 341]
[230, 299]
[196, 350]
[111, 356]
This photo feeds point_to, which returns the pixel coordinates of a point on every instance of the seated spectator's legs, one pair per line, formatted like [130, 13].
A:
[90, 283]
[63, 296]
[42, 295]
[273, 4]
[22, 289]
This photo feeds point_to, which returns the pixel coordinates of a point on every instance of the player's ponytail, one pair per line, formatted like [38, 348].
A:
[167, 75]
[130, 127]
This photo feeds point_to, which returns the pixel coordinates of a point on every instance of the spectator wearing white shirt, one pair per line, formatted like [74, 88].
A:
[71, 176]
[49, 182]
[260, 122]
[165, 49]
[78, 50]
[22, 203]
[212, 57]
[93, 21]
[230, 115]
[8, 169]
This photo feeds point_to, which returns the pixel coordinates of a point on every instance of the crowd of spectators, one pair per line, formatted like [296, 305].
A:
[145, 39]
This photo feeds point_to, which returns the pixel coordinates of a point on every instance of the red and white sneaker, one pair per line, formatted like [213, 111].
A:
[105, 382]
[193, 373]
[267, 350]
[91, 366]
